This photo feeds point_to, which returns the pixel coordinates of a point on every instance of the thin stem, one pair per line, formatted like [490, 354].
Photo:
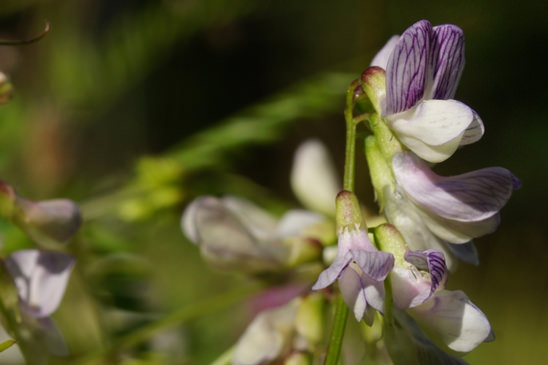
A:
[21, 42]
[337, 334]
[350, 152]
[341, 310]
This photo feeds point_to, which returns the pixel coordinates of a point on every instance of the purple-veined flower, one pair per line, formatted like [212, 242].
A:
[446, 213]
[359, 267]
[423, 67]
[446, 315]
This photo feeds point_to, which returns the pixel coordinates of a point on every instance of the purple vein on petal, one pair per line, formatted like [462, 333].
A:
[448, 59]
[407, 67]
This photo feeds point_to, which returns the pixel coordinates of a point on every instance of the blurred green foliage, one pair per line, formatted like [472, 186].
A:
[132, 108]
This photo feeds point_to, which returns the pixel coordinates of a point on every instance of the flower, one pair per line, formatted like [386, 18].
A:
[295, 327]
[235, 234]
[313, 177]
[359, 267]
[50, 223]
[433, 211]
[41, 278]
[423, 67]
[446, 315]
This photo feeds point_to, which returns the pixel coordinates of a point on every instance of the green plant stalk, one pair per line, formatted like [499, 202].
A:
[341, 310]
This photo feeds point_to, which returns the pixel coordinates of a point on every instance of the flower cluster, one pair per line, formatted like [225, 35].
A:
[412, 80]
[397, 270]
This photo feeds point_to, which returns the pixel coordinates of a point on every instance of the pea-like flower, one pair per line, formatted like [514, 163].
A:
[41, 278]
[235, 234]
[359, 267]
[423, 67]
[446, 315]
[433, 211]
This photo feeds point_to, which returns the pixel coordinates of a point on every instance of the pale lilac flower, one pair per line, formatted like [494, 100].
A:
[49, 223]
[41, 278]
[446, 315]
[233, 233]
[359, 267]
[433, 211]
[423, 67]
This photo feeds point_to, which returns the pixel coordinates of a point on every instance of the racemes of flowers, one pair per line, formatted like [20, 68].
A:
[392, 276]
[34, 280]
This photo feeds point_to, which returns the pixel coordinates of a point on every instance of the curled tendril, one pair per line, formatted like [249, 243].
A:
[6, 42]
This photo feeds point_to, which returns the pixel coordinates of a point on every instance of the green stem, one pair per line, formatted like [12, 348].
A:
[341, 310]
[350, 153]
[337, 334]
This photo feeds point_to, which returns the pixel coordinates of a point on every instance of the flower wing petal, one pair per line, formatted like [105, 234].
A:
[375, 264]
[407, 67]
[333, 272]
[453, 318]
[437, 125]
[470, 197]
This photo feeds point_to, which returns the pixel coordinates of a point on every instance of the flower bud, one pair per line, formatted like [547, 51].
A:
[349, 216]
[49, 222]
[389, 239]
[374, 85]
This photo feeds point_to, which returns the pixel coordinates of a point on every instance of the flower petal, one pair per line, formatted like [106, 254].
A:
[268, 336]
[353, 293]
[407, 344]
[375, 264]
[41, 278]
[295, 221]
[381, 58]
[434, 262]
[333, 272]
[407, 218]
[474, 131]
[409, 288]
[457, 232]
[359, 291]
[470, 197]
[433, 129]
[313, 177]
[452, 317]
[50, 221]
[257, 220]
[448, 60]
[466, 252]
[407, 67]
[225, 238]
